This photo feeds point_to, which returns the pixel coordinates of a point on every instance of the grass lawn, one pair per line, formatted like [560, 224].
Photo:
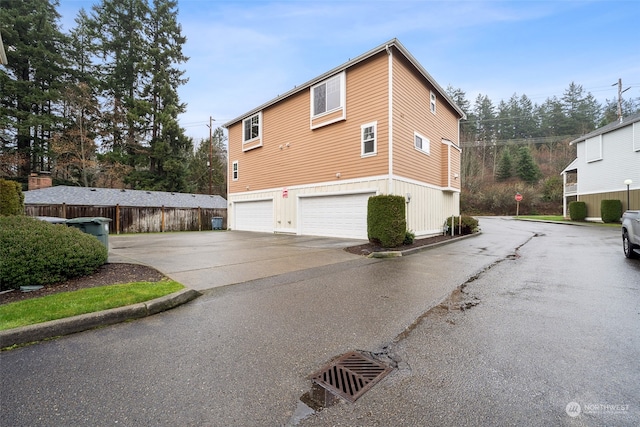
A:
[67, 304]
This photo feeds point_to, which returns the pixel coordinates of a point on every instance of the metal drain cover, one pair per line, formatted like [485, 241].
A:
[350, 376]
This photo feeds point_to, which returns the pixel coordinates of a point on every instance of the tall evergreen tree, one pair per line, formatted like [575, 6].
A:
[117, 31]
[168, 145]
[200, 170]
[505, 165]
[526, 168]
[581, 110]
[30, 86]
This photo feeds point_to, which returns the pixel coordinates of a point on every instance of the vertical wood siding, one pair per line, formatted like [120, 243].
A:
[429, 207]
[593, 201]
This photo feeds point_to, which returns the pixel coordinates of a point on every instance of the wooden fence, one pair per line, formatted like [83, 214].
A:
[132, 219]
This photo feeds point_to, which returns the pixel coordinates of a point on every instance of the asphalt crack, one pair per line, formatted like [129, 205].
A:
[459, 300]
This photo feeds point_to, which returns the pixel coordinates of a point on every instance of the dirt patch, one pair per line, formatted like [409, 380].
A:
[368, 248]
[108, 274]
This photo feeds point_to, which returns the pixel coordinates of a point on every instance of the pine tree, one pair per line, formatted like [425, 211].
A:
[116, 28]
[30, 86]
[168, 145]
[526, 168]
[505, 165]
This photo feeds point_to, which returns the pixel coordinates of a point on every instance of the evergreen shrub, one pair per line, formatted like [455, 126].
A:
[610, 211]
[577, 211]
[34, 252]
[11, 198]
[469, 225]
[409, 237]
[386, 223]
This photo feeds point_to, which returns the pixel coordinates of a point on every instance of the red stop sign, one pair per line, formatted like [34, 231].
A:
[518, 197]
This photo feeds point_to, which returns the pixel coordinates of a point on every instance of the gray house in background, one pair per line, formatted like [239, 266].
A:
[607, 159]
[130, 211]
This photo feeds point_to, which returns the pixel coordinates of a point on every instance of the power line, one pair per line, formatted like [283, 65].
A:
[519, 141]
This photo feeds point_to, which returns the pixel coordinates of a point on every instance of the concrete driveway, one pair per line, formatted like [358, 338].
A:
[210, 259]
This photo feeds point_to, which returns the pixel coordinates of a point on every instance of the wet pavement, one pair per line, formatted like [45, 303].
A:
[205, 260]
[553, 317]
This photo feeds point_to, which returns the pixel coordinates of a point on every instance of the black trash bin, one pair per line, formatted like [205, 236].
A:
[96, 226]
[216, 223]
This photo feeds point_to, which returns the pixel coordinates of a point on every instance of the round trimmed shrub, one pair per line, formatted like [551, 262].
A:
[610, 211]
[577, 211]
[34, 252]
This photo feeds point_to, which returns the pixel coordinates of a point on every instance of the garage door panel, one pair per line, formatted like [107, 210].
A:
[254, 216]
[335, 216]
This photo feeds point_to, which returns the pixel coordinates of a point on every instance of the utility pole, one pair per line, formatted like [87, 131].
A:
[210, 154]
[620, 92]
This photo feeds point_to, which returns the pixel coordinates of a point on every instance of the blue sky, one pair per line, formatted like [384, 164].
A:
[244, 53]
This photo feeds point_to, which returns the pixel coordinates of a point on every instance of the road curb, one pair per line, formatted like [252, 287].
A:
[83, 322]
[394, 254]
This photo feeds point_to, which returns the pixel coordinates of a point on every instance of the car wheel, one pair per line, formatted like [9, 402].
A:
[627, 246]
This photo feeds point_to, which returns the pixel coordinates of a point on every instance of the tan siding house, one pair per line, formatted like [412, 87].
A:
[307, 161]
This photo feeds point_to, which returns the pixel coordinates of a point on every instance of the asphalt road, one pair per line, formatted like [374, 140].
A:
[553, 318]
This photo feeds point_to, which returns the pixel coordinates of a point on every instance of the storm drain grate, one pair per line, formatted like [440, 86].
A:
[350, 376]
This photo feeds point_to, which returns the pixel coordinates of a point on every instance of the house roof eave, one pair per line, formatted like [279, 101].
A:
[626, 121]
[391, 43]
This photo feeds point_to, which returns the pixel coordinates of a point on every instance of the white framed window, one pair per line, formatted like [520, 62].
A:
[636, 136]
[328, 95]
[421, 143]
[432, 102]
[234, 170]
[369, 136]
[252, 131]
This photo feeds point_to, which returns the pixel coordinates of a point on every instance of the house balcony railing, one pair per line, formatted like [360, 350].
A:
[571, 189]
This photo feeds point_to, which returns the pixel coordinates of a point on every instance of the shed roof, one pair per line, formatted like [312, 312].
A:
[89, 196]
[626, 121]
[391, 43]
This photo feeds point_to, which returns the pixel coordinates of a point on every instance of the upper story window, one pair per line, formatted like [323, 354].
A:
[368, 134]
[328, 101]
[252, 132]
[235, 170]
[421, 143]
[432, 102]
[328, 95]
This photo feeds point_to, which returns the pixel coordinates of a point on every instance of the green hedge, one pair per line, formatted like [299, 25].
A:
[386, 223]
[11, 198]
[469, 225]
[610, 211]
[34, 252]
[577, 211]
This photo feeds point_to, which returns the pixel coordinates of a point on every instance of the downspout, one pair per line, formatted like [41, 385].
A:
[390, 109]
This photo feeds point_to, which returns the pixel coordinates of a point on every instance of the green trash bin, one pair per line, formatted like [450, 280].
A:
[96, 226]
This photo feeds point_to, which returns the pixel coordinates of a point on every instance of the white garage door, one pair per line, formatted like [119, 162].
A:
[254, 216]
[335, 216]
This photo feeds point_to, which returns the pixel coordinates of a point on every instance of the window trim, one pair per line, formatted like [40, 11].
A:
[234, 171]
[432, 101]
[425, 141]
[249, 144]
[375, 139]
[342, 95]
